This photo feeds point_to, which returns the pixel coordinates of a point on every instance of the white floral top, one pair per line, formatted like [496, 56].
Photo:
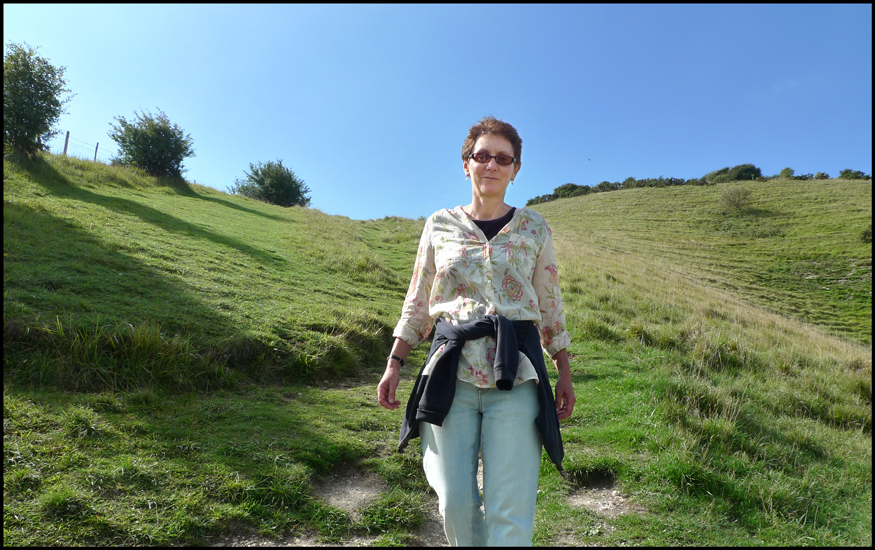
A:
[462, 277]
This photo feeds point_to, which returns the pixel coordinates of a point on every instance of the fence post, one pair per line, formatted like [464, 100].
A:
[95, 151]
[66, 141]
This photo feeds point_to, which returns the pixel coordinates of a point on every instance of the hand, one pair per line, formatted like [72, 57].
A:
[564, 397]
[386, 389]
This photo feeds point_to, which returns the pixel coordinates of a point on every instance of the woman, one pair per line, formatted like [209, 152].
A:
[487, 272]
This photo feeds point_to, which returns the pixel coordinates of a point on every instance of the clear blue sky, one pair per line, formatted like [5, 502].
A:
[369, 104]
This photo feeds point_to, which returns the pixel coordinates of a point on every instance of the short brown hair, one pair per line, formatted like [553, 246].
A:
[491, 125]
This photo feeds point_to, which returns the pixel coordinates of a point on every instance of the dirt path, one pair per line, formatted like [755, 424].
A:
[351, 490]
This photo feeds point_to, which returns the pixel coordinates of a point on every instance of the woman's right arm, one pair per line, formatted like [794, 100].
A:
[389, 383]
[415, 323]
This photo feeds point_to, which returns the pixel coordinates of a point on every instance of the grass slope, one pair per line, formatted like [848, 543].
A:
[93, 250]
[719, 386]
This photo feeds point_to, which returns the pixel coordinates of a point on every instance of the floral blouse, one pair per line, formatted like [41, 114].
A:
[462, 277]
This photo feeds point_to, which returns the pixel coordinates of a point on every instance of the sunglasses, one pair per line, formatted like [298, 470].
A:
[500, 158]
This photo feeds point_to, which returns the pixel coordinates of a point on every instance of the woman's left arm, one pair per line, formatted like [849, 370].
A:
[565, 398]
[554, 334]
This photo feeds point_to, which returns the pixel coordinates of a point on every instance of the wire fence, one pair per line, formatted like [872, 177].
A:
[77, 148]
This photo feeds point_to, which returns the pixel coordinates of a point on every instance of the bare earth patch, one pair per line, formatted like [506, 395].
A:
[606, 502]
[351, 490]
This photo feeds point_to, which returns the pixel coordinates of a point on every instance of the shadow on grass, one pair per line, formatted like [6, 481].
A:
[60, 186]
[247, 459]
[53, 268]
[194, 194]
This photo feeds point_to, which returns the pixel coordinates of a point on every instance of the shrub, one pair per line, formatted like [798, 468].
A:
[32, 103]
[744, 172]
[273, 183]
[787, 173]
[866, 236]
[849, 174]
[571, 190]
[153, 143]
[605, 186]
[717, 176]
[821, 176]
[735, 199]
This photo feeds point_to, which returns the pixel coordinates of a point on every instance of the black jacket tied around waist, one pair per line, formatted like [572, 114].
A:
[433, 394]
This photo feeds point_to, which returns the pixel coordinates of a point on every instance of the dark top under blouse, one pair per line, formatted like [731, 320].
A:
[491, 228]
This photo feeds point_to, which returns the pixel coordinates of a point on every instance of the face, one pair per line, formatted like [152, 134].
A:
[491, 179]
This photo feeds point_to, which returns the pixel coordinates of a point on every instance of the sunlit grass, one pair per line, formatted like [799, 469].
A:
[222, 355]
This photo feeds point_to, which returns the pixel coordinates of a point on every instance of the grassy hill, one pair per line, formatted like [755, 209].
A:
[223, 356]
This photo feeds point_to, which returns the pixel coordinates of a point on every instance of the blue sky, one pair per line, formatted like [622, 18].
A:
[370, 104]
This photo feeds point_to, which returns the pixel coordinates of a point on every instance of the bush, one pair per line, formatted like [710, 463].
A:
[744, 172]
[849, 174]
[32, 103]
[153, 143]
[787, 173]
[735, 199]
[866, 236]
[717, 176]
[821, 176]
[273, 183]
[605, 186]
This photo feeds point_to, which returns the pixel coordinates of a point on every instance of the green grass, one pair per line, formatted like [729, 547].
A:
[90, 249]
[180, 363]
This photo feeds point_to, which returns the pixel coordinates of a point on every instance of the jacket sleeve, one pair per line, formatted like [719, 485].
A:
[415, 324]
[554, 334]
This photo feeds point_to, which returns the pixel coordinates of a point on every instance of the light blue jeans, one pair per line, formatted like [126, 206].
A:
[501, 426]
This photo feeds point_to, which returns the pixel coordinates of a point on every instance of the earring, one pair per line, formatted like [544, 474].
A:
[511, 182]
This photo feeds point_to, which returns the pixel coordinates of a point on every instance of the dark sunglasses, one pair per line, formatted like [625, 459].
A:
[500, 158]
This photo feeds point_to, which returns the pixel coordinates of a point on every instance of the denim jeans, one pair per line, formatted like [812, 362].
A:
[500, 425]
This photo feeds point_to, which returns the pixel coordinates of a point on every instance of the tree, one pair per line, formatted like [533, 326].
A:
[787, 173]
[32, 102]
[735, 199]
[152, 143]
[273, 183]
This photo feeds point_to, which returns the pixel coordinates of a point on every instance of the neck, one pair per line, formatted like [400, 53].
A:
[487, 208]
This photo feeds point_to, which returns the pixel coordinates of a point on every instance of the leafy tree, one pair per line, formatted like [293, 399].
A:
[32, 102]
[152, 143]
[787, 173]
[273, 183]
[821, 176]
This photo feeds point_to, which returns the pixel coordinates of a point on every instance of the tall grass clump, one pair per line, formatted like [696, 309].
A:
[106, 357]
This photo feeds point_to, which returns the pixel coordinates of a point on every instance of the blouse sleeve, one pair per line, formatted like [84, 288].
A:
[415, 324]
[554, 335]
